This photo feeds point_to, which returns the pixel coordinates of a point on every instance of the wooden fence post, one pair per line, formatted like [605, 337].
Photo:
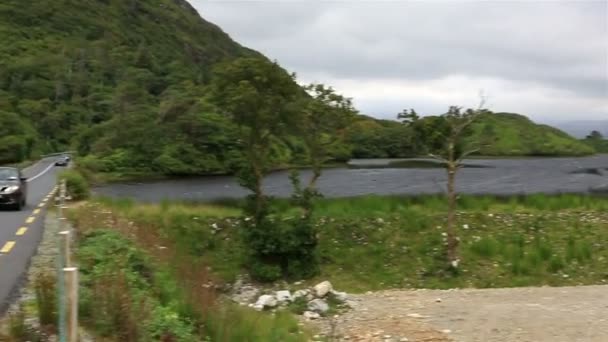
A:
[71, 281]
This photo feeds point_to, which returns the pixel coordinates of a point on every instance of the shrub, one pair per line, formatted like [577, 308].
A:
[77, 185]
[46, 299]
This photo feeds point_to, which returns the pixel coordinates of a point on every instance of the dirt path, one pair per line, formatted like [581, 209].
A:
[563, 314]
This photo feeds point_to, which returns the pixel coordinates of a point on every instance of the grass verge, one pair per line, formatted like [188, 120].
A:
[373, 242]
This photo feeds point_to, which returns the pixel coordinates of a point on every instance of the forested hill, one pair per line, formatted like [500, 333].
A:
[126, 83]
[492, 134]
[117, 78]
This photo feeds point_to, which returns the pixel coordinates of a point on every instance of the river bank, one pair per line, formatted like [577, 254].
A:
[495, 177]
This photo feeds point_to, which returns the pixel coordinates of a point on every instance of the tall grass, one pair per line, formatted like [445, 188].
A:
[374, 242]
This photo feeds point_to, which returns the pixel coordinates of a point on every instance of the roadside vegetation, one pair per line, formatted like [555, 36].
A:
[372, 243]
[138, 284]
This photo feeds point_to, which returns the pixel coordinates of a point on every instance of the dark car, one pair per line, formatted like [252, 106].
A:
[13, 188]
[62, 161]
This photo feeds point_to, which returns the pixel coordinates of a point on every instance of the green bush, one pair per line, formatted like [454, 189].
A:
[77, 185]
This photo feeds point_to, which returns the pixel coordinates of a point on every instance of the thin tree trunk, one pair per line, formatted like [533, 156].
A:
[451, 226]
[259, 195]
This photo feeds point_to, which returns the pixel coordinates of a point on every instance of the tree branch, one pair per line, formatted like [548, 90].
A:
[466, 154]
[436, 157]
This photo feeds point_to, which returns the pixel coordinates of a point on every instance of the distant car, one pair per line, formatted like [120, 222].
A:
[62, 161]
[13, 188]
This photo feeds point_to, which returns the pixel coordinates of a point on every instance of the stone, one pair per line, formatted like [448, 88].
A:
[311, 315]
[404, 339]
[266, 301]
[283, 296]
[245, 294]
[322, 289]
[446, 331]
[300, 293]
[318, 305]
[341, 296]
[438, 300]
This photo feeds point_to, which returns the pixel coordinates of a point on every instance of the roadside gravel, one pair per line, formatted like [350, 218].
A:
[551, 314]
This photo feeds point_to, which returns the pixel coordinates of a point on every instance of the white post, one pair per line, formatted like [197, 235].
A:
[71, 281]
[66, 248]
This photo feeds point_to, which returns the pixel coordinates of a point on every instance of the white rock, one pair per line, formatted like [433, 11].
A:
[311, 315]
[300, 293]
[283, 296]
[404, 339]
[438, 300]
[257, 307]
[322, 289]
[446, 331]
[318, 305]
[266, 301]
[341, 296]
[465, 226]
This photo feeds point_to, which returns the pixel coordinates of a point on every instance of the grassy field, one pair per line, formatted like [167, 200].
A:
[371, 243]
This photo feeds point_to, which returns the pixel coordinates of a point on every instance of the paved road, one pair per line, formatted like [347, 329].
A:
[20, 231]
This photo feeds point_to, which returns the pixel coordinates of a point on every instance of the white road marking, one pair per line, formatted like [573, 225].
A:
[41, 173]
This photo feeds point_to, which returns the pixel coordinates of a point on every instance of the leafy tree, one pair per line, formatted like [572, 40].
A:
[595, 135]
[322, 124]
[448, 146]
[259, 96]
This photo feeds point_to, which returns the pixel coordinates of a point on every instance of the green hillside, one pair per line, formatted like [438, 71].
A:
[508, 134]
[494, 134]
[119, 79]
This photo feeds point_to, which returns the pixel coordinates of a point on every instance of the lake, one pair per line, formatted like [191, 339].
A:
[489, 176]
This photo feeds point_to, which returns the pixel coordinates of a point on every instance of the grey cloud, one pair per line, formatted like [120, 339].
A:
[556, 45]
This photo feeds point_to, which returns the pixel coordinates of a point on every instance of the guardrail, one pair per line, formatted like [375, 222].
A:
[57, 154]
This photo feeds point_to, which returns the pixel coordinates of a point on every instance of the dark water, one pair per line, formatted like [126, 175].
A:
[500, 177]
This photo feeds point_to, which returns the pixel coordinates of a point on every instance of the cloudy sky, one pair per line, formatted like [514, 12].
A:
[545, 59]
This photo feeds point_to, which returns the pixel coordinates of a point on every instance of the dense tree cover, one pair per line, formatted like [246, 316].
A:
[121, 81]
